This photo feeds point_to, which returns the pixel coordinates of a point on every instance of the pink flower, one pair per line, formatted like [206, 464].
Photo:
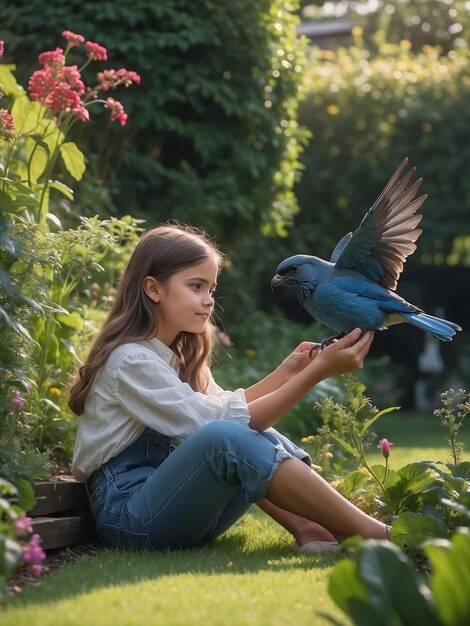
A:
[41, 83]
[96, 52]
[23, 526]
[60, 91]
[2, 47]
[7, 126]
[117, 111]
[72, 38]
[32, 551]
[70, 74]
[52, 57]
[110, 79]
[17, 401]
[386, 446]
[224, 338]
[36, 569]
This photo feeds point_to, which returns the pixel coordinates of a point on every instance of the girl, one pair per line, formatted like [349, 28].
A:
[147, 386]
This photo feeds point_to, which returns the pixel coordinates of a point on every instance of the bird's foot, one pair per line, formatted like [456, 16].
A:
[329, 340]
[326, 342]
[314, 347]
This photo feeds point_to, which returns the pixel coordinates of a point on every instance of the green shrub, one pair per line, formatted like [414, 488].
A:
[366, 114]
[213, 134]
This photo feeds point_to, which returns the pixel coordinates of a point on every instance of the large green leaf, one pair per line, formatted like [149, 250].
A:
[352, 483]
[344, 583]
[381, 587]
[450, 579]
[27, 115]
[71, 320]
[38, 157]
[412, 529]
[73, 159]
[409, 483]
[8, 83]
[393, 586]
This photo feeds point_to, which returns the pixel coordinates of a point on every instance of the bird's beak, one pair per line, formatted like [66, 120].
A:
[277, 280]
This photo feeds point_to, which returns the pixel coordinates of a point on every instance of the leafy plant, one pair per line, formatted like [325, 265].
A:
[214, 138]
[456, 408]
[45, 268]
[18, 544]
[59, 98]
[381, 583]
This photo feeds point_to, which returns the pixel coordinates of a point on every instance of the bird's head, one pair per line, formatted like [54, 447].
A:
[296, 269]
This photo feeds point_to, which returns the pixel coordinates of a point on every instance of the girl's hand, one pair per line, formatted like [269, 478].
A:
[344, 355]
[298, 359]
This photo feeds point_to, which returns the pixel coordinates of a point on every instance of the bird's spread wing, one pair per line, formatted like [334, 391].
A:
[387, 233]
[387, 300]
[340, 247]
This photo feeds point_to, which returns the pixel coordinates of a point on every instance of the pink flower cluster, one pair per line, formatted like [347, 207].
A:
[60, 88]
[33, 554]
[117, 111]
[23, 526]
[110, 79]
[2, 45]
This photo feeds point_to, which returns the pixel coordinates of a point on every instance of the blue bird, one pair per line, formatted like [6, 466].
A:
[355, 289]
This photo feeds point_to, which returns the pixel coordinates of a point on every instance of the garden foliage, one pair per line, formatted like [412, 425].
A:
[381, 583]
[366, 114]
[44, 274]
[213, 138]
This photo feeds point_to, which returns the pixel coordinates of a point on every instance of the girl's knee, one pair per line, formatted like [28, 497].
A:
[224, 430]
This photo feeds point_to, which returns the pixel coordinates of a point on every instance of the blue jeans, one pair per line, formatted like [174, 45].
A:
[154, 495]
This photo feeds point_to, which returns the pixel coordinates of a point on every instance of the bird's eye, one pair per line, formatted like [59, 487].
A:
[294, 268]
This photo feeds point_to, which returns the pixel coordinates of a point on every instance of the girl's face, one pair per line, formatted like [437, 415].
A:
[185, 301]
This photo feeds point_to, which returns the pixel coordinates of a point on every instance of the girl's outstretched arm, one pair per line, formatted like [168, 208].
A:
[345, 355]
[290, 367]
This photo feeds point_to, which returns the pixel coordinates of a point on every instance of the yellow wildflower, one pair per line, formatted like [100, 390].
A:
[337, 483]
[55, 392]
[332, 109]
[250, 353]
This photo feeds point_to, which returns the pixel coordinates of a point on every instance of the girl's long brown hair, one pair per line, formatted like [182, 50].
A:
[161, 252]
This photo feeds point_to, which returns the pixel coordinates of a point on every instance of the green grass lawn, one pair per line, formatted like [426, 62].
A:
[248, 577]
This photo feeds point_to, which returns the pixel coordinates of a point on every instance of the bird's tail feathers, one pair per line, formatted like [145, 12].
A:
[440, 328]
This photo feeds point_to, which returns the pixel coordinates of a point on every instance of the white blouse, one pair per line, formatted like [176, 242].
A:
[138, 386]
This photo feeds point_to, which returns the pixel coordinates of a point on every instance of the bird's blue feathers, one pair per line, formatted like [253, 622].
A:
[436, 326]
[356, 288]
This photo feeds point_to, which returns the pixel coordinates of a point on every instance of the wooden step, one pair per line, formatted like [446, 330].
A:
[59, 532]
[58, 496]
[62, 515]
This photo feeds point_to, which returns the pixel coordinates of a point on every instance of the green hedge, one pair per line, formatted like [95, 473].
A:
[213, 133]
[368, 113]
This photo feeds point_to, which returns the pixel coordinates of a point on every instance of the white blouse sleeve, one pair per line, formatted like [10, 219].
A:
[149, 390]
